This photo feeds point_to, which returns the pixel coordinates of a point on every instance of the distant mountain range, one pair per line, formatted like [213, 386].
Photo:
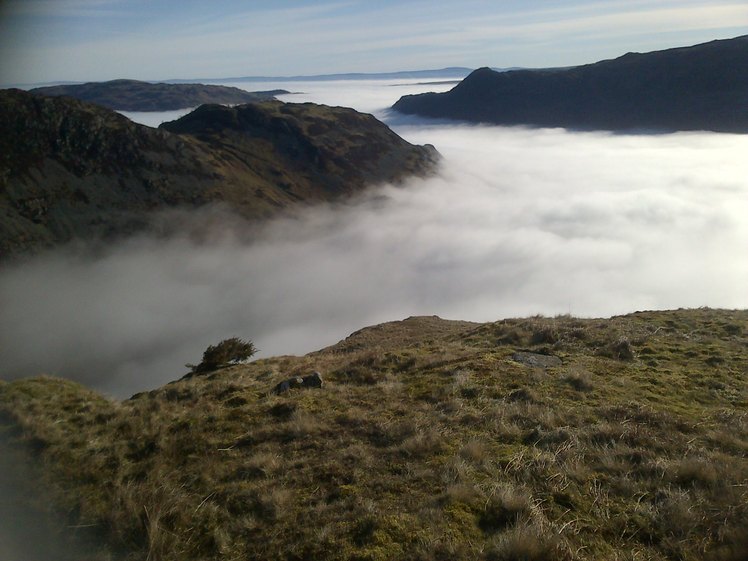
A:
[703, 87]
[134, 95]
[74, 170]
[450, 72]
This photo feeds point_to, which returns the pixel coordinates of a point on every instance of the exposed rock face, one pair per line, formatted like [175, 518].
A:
[70, 169]
[134, 95]
[704, 87]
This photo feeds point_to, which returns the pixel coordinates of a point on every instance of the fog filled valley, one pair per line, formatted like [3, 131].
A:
[516, 222]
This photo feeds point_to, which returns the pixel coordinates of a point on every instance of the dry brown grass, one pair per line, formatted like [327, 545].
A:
[451, 450]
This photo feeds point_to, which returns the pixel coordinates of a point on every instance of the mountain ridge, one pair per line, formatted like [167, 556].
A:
[136, 95]
[75, 170]
[702, 87]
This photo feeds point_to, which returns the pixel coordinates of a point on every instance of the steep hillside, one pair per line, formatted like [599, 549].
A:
[134, 95]
[704, 87]
[533, 439]
[73, 170]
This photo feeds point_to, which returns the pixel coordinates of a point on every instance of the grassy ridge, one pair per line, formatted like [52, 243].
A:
[430, 440]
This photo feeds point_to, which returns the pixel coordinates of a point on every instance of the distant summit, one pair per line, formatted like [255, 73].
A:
[134, 95]
[704, 87]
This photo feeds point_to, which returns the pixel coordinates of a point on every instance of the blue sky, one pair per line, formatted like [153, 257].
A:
[80, 40]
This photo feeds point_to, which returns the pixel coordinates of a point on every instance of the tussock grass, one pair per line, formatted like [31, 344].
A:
[427, 442]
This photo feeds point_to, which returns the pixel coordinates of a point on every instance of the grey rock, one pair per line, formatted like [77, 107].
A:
[314, 380]
[536, 360]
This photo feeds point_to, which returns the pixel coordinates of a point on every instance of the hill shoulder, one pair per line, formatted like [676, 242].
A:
[134, 95]
[449, 446]
[703, 87]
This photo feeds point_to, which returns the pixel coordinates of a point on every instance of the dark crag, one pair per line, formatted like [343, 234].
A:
[704, 87]
[73, 170]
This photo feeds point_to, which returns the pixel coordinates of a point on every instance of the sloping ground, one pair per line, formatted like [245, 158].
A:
[28, 532]
[450, 445]
[73, 170]
[704, 87]
[134, 95]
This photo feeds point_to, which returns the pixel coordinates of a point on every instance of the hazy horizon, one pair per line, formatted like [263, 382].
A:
[43, 41]
[517, 222]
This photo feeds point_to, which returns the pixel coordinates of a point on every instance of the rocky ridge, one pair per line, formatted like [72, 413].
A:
[134, 95]
[74, 170]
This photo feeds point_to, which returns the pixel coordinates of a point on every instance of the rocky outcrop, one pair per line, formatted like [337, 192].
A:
[704, 87]
[73, 170]
[134, 95]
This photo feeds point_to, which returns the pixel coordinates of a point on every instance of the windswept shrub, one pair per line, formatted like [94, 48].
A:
[228, 351]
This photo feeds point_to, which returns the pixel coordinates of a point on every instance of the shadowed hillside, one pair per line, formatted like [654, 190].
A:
[704, 87]
[73, 170]
[533, 439]
[134, 95]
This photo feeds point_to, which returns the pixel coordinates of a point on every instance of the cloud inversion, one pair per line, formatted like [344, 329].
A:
[518, 221]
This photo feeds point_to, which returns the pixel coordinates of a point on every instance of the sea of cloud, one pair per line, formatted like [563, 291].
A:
[518, 221]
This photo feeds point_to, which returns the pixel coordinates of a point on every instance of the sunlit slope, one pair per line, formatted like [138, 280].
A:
[540, 438]
[704, 87]
[74, 170]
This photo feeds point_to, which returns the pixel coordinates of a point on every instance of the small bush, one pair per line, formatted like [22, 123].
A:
[694, 472]
[423, 443]
[364, 528]
[510, 337]
[504, 508]
[526, 543]
[474, 451]
[228, 351]
[546, 334]
[461, 493]
[358, 375]
[619, 350]
[522, 394]
[579, 380]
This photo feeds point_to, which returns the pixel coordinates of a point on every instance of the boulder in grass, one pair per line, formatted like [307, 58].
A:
[536, 360]
[314, 380]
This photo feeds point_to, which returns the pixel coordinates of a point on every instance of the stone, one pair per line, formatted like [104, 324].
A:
[314, 380]
[536, 360]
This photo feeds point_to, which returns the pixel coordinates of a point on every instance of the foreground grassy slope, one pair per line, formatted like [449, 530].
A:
[430, 440]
